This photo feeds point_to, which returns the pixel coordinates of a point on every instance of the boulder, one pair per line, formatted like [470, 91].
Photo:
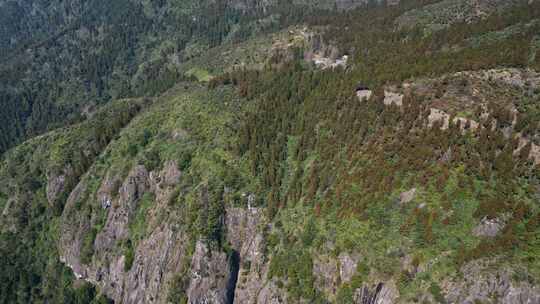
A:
[489, 227]
[407, 196]
[364, 94]
[347, 266]
[391, 98]
[438, 116]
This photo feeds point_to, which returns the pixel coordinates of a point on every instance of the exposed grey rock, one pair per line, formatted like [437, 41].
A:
[107, 190]
[171, 174]
[466, 124]
[442, 14]
[243, 228]
[134, 186]
[56, 184]
[163, 182]
[217, 277]
[251, 201]
[382, 293]
[393, 98]
[347, 266]
[534, 153]
[514, 77]
[116, 227]
[438, 116]
[364, 94]
[407, 196]
[210, 276]
[157, 258]
[326, 273]
[480, 285]
[245, 234]
[489, 227]
[408, 264]
[350, 4]
[74, 227]
[271, 294]
[447, 156]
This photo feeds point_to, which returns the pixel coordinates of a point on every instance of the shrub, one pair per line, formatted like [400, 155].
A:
[436, 291]
[345, 295]
[177, 291]
[129, 256]
[150, 159]
[87, 247]
[184, 160]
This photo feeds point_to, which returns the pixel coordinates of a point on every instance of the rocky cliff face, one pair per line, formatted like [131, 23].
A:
[214, 276]
[166, 210]
[240, 275]
[482, 285]
[101, 260]
[126, 229]
[245, 231]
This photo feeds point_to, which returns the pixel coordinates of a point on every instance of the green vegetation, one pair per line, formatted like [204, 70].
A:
[138, 226]
[3, 200]
[87, 248]
[32, 271]
[199, 74]
[129, 254]
[346, 292]
[296, 266]
[56, 57]
[338, 165]
[327, 168]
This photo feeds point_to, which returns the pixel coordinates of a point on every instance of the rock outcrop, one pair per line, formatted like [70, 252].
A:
[489, 227]
[479, 285]
[392, 98]
[407, 196]
[364, 94]
[326, 272]
[213, 276]
[245, 229]
[156, 258]
[382, 293]
[56, 184]
[347, 266]
[239, 275]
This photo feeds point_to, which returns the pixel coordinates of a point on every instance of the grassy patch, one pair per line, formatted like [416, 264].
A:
[129, 255]
[139, 224]
[201, 75]
[87, 247]
[3, 201]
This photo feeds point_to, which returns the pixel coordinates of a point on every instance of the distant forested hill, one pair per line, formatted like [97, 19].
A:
[60, 59]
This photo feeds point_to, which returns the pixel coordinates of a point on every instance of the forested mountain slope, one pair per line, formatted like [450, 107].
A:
[303, 152]
[60, 59]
